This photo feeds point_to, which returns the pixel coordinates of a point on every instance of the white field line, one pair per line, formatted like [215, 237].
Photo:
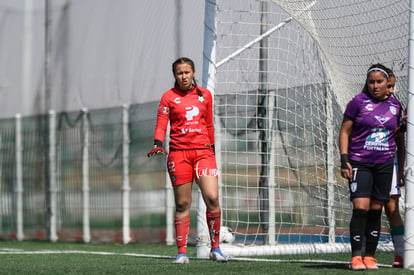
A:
[40, 252]
[103, 253]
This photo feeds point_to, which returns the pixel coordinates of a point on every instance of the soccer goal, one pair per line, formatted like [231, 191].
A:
[282, 73]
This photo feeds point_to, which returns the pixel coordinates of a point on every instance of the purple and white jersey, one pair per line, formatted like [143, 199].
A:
[372, 137]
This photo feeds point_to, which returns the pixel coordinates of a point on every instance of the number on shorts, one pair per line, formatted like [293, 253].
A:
[171, 166]
[354, 173]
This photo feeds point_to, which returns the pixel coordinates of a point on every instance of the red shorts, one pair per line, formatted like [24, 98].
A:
[186, 165]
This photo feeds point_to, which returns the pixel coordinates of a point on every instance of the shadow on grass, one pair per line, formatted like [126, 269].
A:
[339, 267]
[319, 266]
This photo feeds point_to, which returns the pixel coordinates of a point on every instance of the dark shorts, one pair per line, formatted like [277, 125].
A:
[185, 165]
[371, 180]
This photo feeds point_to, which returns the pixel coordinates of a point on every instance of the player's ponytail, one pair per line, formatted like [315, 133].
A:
[199, 92]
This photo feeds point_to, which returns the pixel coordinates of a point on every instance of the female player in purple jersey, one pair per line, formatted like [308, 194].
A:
[367, 147]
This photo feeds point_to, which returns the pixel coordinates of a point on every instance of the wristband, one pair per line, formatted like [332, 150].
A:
[344, 161]
[157, 143]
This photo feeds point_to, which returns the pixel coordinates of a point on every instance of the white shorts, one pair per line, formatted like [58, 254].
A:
[395, 189]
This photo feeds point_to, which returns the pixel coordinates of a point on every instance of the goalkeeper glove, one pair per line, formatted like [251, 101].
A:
[157, 149]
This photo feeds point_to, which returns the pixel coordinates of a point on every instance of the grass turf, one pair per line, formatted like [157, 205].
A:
[36, 257]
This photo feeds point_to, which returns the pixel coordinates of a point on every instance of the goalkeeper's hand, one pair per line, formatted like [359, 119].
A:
[156, 151]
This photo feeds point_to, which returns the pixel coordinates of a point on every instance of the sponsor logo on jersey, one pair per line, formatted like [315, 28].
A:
[377, 140]
[393, 110]
[382, 119]
[369, 107]
[191, 112]
[185, 130]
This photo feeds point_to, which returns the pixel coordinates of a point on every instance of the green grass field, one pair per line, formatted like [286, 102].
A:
[35, 257]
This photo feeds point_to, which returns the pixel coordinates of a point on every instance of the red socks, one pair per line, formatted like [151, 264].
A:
[182, 226]
[213, 223]
[181, 232]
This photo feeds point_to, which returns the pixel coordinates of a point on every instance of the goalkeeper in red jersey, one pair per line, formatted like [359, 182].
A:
[189, 108]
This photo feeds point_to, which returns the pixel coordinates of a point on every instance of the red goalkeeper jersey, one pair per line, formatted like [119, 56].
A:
[191, 119]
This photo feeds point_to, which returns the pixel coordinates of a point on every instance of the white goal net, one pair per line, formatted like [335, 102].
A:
[282, 73]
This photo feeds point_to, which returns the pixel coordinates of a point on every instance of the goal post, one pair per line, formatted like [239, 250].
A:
[409, 218]
[281, 79]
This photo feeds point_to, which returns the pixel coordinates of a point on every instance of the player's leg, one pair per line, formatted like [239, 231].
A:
[380, 195]
[392, 210]
[181, 178]
[207, 179]
[182, 197]
[209, 189]
[357, 229]
[372, 234]
[396, 229]
[360, 192]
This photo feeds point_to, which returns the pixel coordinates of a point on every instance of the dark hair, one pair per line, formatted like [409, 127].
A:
[380, 68]
[390, 72]
[190, 62]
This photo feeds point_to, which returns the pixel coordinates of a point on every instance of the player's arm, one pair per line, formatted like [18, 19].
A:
[403, 126]
[400, 142]
[344, 136]
[210, 122]
[160, 128]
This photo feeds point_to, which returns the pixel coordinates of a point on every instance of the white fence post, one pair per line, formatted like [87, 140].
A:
[126, 233]
[52, 170]
[86, 231]
[169, 199]
[19, 179]
[330, 164]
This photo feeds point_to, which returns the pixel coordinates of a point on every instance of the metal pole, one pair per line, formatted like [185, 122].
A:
[209, 78]
[48, 50]
[27, 56]
[52, 177]
[409, 180]
[48, 214]
[19, 179]
[178, 27]
[85, 178]
[126, 189]
[169, 199]
[263, 124]
[330, 167]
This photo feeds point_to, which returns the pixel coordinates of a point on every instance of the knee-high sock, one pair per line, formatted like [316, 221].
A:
[373, 231]
[357, 230]
[213, 223]
[397, 234]
[181, 233]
